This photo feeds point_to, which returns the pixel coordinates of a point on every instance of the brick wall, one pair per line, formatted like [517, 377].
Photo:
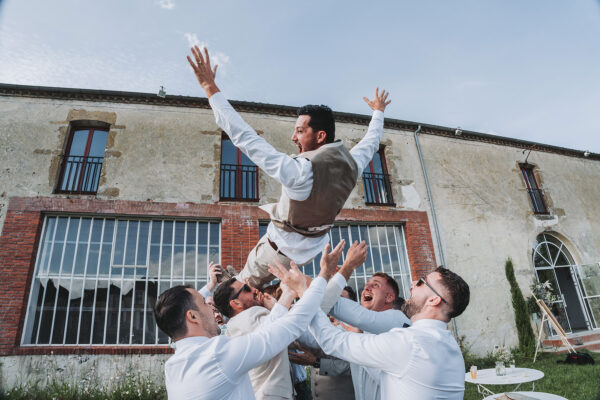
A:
[239, 233]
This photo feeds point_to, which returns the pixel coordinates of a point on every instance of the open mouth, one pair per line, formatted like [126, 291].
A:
[367, 297]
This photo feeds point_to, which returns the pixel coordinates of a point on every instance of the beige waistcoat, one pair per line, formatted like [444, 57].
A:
[334, 176]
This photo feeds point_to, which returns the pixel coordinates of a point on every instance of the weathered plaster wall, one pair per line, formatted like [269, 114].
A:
[82, 370]
[485, 217]
[156, 153]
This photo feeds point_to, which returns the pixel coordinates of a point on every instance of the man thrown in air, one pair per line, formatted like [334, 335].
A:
[315, 183]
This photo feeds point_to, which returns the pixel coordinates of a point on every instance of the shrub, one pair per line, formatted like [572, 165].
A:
[524, 330]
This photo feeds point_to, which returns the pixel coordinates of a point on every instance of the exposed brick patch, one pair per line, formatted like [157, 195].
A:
[239, 234]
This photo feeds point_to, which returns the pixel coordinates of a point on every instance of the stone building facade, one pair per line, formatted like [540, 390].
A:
[107, 198]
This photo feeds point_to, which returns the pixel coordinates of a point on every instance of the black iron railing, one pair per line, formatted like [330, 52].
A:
[239, 182]
[377, 189]
[537, 201]
[80, 174]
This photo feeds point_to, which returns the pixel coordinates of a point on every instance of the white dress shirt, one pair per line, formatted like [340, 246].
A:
[294, 174]
[419, 362]
[217, 368]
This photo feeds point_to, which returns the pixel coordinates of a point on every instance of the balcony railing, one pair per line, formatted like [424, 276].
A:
[239, 182]
[378, 190]
[80, 174]
[537, 201]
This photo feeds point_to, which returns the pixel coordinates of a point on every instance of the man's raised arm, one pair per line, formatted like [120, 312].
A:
[364, 150]
[281, 167]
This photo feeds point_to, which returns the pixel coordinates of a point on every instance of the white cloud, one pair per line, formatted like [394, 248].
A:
[192, 39]
[216, 57]
[167, 4]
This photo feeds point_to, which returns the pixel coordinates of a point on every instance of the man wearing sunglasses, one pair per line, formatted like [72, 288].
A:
[207, 365]
[422, 361]
[250, 310]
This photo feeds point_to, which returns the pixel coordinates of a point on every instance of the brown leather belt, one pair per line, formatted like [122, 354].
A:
[274, 246]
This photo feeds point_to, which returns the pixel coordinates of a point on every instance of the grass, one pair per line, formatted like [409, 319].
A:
[574, 382]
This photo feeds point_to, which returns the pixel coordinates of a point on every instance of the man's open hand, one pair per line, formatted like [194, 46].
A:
[214, 270]
[355, 257]
[293, 278]
[329, 261]
[203, 71]
[380, 101]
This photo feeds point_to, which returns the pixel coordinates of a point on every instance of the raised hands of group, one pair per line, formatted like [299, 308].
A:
[329, 260]
[380, 101]
[293, 277]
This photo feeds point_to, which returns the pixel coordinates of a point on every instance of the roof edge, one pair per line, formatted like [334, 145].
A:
[274, 109]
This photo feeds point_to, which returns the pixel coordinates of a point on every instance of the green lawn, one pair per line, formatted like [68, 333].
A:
[575, 382]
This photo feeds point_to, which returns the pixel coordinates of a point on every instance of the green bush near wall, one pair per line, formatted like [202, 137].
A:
[524, 330]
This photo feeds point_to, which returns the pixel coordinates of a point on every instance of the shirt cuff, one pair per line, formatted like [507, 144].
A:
[279, 310]
[205, 292]
[217, 100]
[339, 280]
[376, 113]
[319, 281]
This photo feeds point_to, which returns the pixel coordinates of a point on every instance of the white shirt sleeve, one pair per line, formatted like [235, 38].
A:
[205, 292]
[364, 150]
[386, 351]
[356, 315]
[243, 353]
[295, 174]
[335, 286]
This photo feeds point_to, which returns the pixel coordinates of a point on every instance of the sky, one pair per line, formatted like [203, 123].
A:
[523, 69]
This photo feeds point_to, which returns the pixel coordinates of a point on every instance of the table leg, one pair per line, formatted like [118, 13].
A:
[485, 392]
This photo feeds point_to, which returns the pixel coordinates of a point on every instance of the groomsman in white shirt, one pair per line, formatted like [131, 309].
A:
[207, 365]
[248, 310]
[315, 184]
[422, 361]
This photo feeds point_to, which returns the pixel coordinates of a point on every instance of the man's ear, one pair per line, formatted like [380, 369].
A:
[390, 298]
[192, 317]
[321, 137]
[236, 305]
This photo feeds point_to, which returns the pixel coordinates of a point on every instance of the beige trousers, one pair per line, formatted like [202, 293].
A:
[256, 271]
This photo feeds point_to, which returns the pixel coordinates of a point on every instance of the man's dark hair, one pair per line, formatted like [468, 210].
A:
[221, 297]
[321, 119]
[351, 292]
[457, 289]
[170, 309]
[390, 281]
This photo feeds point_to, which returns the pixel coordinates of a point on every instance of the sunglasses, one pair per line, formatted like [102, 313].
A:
[423, 281]
[244, 288]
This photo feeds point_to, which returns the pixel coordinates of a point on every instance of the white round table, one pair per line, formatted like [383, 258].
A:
[533, 395]
[514, 377]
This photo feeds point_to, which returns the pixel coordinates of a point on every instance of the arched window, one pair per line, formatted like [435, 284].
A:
[554, 264]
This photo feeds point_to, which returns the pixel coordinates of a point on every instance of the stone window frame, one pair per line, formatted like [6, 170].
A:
[244, 186]
[535, 192]
[378, 180]
[66, 166]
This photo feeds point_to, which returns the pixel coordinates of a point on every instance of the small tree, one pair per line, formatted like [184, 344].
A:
[524, 330]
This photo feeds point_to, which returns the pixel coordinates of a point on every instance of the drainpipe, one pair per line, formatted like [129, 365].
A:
[433, 214]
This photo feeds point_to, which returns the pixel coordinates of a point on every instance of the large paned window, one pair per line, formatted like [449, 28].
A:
[97, 279]
[387, 253]
[239, 175]
[535, 192]
[376, 180]
[82, 162]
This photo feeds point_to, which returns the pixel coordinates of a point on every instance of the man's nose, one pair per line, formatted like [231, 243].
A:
[294, 137]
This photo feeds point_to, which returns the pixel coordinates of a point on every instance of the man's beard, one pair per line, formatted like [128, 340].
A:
[410, 309]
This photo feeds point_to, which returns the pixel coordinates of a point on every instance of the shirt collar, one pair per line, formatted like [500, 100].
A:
[184, 343]
[430, 324]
